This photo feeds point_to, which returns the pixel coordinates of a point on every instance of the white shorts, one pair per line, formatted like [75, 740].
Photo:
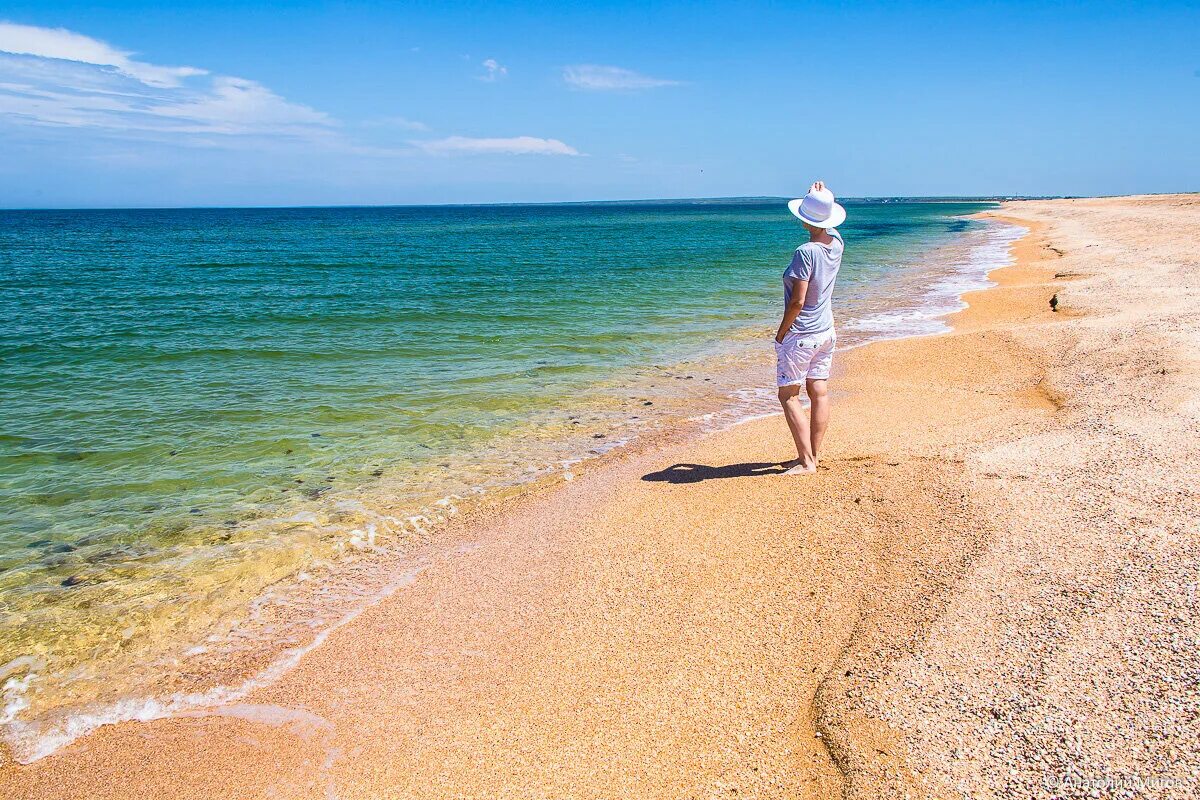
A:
[803, 358]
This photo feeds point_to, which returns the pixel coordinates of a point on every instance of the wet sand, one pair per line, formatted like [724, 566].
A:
[989, 583]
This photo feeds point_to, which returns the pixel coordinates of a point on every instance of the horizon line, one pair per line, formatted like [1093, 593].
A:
[641, 201]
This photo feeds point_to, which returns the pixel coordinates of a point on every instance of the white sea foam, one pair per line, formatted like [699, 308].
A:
[968, 272]
[31, 741]
[745, 405]
[965, 268]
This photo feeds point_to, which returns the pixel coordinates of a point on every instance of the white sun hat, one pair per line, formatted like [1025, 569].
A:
[818, 209]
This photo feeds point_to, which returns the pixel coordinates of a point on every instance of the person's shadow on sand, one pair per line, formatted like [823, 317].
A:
[694, 473]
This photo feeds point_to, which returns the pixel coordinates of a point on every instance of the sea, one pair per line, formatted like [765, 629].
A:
[223, 431]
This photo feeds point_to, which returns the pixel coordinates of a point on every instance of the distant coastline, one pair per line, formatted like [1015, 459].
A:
[632, 202]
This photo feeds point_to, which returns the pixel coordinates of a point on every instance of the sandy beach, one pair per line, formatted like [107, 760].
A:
[988, 590]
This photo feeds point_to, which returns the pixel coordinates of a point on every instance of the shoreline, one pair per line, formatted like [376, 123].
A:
[340, 590]
[265, 667]
[677, 620]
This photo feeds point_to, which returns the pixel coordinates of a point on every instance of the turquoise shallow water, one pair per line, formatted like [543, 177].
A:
[195, 404]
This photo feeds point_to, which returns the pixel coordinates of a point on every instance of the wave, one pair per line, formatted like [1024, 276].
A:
[964, 268]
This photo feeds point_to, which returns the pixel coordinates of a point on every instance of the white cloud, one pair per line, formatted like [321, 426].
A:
[495, 71]
[399, 123]
[57, 78]
[66, 45]
[597, 78]
[516, 145]
[236, 105]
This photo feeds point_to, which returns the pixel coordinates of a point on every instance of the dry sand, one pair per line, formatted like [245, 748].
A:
[989, 586]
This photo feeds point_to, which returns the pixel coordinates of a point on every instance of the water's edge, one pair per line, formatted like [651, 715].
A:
[372, 573]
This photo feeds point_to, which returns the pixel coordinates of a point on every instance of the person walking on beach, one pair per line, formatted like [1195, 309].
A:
[805, 339]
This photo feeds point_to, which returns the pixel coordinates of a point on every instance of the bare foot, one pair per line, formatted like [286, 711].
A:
[798, 467]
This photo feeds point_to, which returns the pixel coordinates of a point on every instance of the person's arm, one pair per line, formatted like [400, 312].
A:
[800, 271]
[794, 307]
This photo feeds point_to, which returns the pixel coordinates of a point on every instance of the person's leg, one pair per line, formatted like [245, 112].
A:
[818, 398]
[797, 420]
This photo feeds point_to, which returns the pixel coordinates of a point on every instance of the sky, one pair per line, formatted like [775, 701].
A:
[147, 104]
